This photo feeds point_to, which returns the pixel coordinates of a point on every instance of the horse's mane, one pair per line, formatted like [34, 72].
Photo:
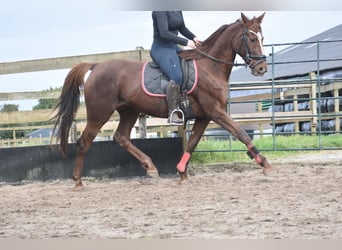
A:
[205, 46]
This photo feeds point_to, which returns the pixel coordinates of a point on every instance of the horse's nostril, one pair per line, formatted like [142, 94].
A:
[262, 69]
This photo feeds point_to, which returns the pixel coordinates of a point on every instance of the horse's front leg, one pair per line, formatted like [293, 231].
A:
[233, 127]
[196, 134]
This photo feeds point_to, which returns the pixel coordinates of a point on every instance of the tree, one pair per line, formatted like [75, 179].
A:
[9, 108]
[46, 104]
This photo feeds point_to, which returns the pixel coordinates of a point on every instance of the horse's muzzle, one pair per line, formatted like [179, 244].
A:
[258, 68]
[257, 63]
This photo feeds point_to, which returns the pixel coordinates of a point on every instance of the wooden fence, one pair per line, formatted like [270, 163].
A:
[14, 120]
[292, 93]
[17, 121]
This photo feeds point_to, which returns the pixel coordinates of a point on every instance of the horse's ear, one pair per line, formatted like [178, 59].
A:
[245, 19]
[260, 18]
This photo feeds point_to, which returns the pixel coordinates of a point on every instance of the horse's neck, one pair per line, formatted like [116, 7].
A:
[223, 48]
[226, 54]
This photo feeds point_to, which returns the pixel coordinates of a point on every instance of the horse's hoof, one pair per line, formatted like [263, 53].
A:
[153, 174]
[183, 178]
[185, 182]
[267, 170]
[182, 181]
[78, 187]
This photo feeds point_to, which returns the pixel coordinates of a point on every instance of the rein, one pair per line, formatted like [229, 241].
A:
[248, 58]
[218, 60]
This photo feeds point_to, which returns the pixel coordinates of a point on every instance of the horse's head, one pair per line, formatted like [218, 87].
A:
[249, 45]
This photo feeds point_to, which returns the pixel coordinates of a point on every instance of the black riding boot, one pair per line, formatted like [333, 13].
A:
[176, 116]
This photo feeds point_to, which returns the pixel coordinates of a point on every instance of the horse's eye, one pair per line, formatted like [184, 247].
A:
[253, 40]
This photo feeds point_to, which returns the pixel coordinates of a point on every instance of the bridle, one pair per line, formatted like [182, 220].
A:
[249, 58]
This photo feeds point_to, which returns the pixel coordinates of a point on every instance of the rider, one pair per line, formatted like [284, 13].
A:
[164, 51]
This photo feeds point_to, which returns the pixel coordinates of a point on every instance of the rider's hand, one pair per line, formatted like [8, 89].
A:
[191, 44]
[197, 41]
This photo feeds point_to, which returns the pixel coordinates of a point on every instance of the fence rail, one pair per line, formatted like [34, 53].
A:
[266, 122]
[69, 61]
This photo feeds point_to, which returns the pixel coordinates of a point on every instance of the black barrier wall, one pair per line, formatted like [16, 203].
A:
[104, 159]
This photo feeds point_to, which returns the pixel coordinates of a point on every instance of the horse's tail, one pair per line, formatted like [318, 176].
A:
[68, 103]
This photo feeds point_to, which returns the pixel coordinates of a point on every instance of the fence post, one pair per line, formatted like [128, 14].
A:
[14, 138]
[312, 76]
[73, 132]
[336, 108]
[261, 126]
[142, 126]
[295, 109]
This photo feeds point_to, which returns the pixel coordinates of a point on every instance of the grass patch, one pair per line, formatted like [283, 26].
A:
[213, 151]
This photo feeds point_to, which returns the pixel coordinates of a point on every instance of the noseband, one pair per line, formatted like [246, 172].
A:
[249, 58]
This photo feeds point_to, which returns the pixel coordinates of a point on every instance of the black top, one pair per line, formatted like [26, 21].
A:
[167, 24]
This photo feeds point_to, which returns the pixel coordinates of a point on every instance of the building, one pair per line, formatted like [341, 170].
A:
[299, 59]
[320, 54]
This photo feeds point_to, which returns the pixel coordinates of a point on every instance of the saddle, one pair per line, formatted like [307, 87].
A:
[154, 83]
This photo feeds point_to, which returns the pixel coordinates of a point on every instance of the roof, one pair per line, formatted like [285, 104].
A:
[330, 47]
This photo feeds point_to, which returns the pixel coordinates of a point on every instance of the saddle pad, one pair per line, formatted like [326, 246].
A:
[154, 82]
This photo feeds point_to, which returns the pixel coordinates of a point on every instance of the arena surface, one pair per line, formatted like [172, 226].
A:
[302, 199]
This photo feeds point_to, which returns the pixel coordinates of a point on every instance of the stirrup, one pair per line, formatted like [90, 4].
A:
[175, 111]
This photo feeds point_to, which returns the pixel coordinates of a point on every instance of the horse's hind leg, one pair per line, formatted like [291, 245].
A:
[83, 145]
[128, 117]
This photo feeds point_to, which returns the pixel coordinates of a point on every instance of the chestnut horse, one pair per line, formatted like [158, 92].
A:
[116, 85]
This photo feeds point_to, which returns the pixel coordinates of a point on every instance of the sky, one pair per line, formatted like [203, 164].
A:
[35, 32]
